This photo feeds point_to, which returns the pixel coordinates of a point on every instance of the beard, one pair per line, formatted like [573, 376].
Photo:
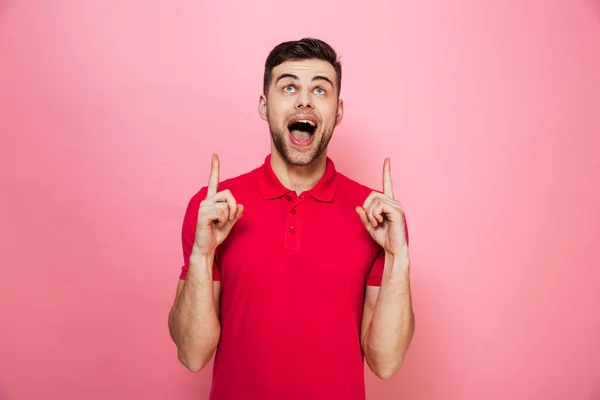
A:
[295, 156]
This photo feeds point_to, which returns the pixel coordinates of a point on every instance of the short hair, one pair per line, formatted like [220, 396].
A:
[303, 49]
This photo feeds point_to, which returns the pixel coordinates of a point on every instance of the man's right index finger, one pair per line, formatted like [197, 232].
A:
[213, 180]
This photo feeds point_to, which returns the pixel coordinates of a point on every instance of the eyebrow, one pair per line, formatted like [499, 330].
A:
[315, 78]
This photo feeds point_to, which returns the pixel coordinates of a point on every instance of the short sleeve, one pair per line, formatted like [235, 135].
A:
[376, 271]
[188, 233]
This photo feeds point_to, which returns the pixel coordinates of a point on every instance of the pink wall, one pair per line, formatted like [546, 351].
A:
[109, 112]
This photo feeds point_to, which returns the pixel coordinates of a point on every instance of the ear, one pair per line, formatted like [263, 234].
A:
[262, 107]
[340, 112]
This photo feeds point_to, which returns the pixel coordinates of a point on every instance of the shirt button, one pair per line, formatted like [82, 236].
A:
[293, 211]
[288, 197]
[292, 229]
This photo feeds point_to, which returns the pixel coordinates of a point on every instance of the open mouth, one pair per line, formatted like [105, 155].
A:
[302, 130]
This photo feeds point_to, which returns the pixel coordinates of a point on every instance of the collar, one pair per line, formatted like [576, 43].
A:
[271, 187]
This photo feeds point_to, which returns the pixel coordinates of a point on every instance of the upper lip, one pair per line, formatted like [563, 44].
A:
[303, 118]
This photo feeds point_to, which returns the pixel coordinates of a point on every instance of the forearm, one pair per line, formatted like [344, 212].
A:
[391, 328]
[193, 320]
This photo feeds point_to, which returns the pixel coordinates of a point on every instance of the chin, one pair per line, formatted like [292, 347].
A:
[300, 160]
[297, 156]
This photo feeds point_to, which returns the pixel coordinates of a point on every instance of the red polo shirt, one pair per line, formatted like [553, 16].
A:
[293, 272]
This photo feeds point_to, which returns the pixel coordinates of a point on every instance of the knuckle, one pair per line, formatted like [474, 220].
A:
[205, 205]
[231, 197]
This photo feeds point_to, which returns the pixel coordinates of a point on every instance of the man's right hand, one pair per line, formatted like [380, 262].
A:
[216, 215]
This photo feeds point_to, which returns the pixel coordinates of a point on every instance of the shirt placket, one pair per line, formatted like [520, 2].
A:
[292, 235]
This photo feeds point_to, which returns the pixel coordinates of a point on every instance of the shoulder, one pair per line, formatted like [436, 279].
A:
[352, 189]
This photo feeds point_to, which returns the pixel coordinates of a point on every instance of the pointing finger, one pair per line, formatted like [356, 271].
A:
[364, 218]
[213, 180]
[388, 188]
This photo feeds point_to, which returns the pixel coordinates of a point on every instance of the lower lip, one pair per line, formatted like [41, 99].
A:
[301, 144]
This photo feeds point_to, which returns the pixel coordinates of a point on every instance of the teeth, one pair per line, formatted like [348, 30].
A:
[306, 121]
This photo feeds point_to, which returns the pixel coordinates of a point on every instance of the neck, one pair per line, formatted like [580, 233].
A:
[298, 178]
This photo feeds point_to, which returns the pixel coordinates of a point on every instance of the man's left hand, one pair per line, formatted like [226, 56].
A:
[383, 216]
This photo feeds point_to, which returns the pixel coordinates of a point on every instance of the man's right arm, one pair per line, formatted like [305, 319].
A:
[194, 318]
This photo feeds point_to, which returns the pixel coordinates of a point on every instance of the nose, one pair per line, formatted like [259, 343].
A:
[304, 101]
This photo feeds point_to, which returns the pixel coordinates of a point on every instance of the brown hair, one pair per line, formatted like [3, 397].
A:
[303, 49]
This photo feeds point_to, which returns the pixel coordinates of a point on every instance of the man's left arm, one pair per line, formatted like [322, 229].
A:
[388, 319]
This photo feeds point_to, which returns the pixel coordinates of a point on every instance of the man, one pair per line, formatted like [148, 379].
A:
[294, 273]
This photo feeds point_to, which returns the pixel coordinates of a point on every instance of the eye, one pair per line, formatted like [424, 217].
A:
[288, 89]
[320, 91]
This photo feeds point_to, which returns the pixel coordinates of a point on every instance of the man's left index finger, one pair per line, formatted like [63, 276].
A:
[388, 188]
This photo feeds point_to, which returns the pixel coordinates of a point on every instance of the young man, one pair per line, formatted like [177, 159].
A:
[293, 273]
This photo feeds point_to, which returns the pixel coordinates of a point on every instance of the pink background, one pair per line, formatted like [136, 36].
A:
[490, 111]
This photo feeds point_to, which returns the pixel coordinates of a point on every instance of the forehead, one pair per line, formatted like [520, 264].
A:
[305, 69]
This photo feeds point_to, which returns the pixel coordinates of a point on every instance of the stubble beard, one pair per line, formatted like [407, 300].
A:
[294, 156]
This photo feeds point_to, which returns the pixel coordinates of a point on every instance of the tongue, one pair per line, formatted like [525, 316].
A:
[301, 136]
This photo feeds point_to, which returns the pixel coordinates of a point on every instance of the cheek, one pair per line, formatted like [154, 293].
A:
[279, 109]
[274, 114]
[328, 113]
